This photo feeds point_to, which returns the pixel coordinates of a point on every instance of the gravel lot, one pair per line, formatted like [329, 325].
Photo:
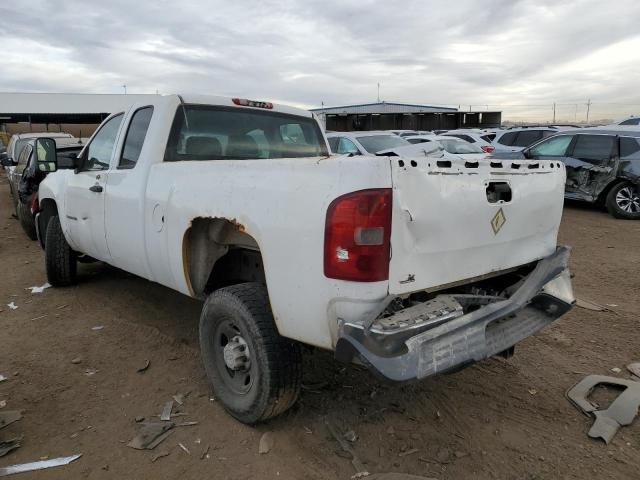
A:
[505, 419]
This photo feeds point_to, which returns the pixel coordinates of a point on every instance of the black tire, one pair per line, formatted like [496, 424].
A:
[623, 201]
[275, 364]
[27, 221]
[60, 259]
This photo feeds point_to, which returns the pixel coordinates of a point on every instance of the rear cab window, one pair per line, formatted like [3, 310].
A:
[134, 139]
[207, 132]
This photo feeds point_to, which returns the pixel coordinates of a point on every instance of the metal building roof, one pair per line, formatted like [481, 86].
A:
[383, 107]
[65, 103]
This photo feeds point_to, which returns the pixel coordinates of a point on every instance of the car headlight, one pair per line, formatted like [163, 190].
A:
[560, 287]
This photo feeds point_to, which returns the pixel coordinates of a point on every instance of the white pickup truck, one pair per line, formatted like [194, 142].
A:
[410, 266]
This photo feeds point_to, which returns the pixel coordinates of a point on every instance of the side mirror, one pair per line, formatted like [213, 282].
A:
[526, 152]
[45, 149]
[6, 160]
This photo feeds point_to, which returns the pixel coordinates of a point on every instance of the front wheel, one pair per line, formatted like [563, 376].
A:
[255, 373]
[623, 201]
[60, 259]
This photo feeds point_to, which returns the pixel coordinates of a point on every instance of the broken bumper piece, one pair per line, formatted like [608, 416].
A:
[453, 339]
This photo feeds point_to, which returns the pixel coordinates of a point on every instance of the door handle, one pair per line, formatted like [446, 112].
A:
[96, 188]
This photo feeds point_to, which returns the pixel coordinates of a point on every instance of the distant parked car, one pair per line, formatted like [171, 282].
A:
[15, 146]
[364, 143]
[603, 166]
[632, 121]
[517, 139]
[456, 146]
[481, 138]
[38, 158]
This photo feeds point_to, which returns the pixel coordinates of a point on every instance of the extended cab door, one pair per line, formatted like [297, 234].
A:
[125, 202]
[85, 193]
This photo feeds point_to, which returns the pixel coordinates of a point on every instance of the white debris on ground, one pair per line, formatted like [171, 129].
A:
[12, 306]
[39, 289]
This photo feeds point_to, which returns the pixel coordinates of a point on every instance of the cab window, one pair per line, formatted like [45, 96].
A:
[135, 137]
[98, 153]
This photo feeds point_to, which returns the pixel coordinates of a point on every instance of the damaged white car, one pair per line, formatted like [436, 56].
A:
[412, 266]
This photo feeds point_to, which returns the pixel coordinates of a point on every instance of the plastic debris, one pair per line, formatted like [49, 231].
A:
[151, 434]
[179, 398]
[90, 371]
[39, 289]
[347, 449]
[2, 378]
[9, 445]
[185, 449]
[166, 411]
[163, 453]
[587, 305]
[7, 418]
[30, 467]
[12, 306]
[97, 327]
[621, 411]
[634, 368]
[144, 368]
[616, 370]
[266, 443]
[3, 403]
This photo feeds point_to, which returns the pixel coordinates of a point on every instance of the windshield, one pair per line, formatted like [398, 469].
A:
[376, 143]
[202, 132]
[459, 147]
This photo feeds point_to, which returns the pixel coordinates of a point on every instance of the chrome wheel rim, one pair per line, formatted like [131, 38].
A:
[234, 362]
[628, 200]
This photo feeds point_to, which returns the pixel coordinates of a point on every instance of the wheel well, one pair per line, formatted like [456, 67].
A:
[217, 252]
[602, 197]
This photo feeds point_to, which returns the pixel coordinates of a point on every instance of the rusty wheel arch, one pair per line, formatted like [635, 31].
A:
[208, 243]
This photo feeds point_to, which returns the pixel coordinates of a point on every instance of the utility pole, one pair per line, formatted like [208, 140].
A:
[588, 108]
[554, 113]
[125, 89]
[378, 92]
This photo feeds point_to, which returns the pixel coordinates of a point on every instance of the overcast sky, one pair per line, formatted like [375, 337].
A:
[491, 52]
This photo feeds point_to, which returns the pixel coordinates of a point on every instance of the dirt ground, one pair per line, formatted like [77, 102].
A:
[499, 419]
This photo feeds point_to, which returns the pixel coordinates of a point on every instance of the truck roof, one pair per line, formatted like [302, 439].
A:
[229, 102]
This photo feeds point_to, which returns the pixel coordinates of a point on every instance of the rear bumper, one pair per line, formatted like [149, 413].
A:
[543, 296]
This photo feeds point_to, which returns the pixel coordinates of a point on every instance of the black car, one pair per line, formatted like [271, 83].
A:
[31, 171]
[603, 166]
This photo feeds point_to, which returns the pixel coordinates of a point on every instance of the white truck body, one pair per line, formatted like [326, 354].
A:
[444, 229]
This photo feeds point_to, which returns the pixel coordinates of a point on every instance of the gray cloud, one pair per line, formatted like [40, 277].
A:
[497, 52]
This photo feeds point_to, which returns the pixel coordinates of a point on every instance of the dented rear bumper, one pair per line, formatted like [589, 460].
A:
[543, 296]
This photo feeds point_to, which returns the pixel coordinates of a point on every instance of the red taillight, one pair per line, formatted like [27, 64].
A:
[488, 148]
[357, 236]
[34, 204]
[243, 102]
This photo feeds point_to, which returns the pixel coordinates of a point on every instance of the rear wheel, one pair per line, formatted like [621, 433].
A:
[27, 221]
[623, 201]
[60, 259]
[255, 373]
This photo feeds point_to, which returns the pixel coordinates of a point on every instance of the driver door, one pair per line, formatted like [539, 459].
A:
[85, 193]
